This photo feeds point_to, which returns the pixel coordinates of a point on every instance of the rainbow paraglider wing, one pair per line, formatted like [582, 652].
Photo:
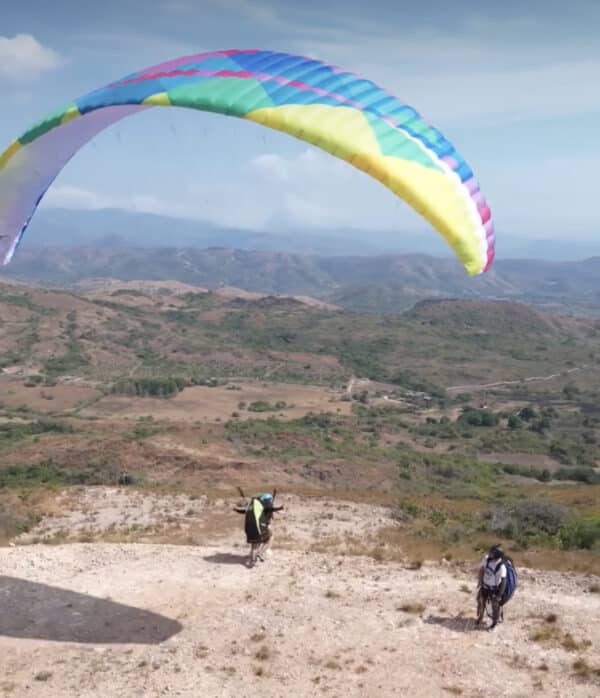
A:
[345, 115]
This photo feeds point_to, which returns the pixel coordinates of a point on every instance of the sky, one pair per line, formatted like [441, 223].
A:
[513, 85]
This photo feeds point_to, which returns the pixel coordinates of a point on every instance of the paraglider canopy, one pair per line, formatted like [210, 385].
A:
[346, 115]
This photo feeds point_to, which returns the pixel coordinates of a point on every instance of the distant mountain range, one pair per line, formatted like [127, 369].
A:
[384, 284]
[64, 248]
[119, 228]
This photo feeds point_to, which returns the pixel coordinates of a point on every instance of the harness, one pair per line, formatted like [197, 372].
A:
[492, 565]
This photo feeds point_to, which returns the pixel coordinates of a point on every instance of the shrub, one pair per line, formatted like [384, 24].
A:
[514, 422]
[529, 519]
[437, 518]
[587, 475]
[543, 474]
[9, 432]
[263, 653]
[153, 387]
[15, 519]
[261, 406]
[478, 418]
[412, 607]
[540, 425]
[322, 420]
[584, 533]
[527, 414]
[570, 391]
[48, 473]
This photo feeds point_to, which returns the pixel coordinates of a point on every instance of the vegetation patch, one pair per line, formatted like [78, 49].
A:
[264, 406]
[583, 533]
[15, 431]
[149, 387]
[50, 474]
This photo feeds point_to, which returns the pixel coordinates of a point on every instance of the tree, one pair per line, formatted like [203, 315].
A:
[540, 425]
[570, 391]
[527, 414]
[488, 419]
[514, 422]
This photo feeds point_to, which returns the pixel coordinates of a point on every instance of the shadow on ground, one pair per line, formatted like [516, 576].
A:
[228, 559]
[38, 611]
[459, 624]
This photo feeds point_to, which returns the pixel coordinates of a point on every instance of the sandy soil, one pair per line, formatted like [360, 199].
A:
[100, 619]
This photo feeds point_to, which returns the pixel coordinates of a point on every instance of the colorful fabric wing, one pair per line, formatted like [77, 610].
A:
[345, 115]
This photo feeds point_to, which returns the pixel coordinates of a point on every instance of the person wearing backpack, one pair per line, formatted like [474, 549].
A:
[258, 515]
[497, 582]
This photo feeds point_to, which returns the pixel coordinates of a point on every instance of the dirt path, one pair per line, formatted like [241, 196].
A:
[97, 619]
[530, 379]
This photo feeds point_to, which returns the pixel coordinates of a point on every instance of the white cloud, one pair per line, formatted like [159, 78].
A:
[544, 198]
[23, 57]
[271, 165]
[209, 201]
[73, 197]
[70, 197]
[541, 197]
[311, 190]
[318, 191]
[298, 211]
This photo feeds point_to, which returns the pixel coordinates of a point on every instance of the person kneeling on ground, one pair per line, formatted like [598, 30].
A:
[258, 515]
[492, 584]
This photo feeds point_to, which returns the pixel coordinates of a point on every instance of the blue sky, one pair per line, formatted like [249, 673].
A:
[513, 85]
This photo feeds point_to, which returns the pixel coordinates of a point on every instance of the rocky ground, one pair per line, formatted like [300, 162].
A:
[151, 619]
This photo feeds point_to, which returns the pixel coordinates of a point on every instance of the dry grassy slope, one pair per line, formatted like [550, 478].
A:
[133, 329]
[102, 288]
[98, 619]
[197, 457]
[132, 333]
[160, 331]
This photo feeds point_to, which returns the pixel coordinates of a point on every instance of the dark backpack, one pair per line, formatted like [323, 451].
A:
[511, 580]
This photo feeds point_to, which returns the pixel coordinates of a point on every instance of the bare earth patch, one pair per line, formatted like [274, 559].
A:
[61, 397]
[202, 403]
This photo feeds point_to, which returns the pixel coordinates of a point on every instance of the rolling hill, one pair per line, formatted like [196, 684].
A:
[168, 330]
